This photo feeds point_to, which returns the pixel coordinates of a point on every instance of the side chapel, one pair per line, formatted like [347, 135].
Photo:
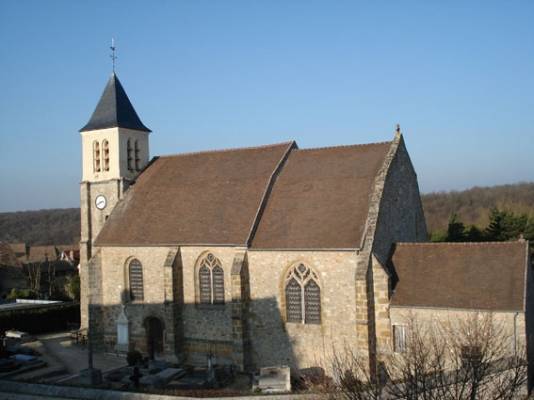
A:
[268, 255]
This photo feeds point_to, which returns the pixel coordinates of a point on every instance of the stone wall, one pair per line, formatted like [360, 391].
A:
[155, 304]
[509, 326]
[400, 219]
[277, 342]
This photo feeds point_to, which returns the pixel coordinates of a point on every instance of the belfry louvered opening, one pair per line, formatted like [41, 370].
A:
[210, 280]
[302, 296]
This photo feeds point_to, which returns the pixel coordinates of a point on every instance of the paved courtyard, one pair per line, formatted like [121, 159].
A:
[65, 359]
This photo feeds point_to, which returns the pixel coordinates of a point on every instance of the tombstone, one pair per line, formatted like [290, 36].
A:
[123, 334]
[273, 380]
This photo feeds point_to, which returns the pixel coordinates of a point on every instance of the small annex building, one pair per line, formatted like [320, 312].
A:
[268, 255]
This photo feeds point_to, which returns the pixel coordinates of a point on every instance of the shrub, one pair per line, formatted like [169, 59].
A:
[133, 357]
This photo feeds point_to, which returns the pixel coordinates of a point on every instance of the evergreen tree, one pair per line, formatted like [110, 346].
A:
[495, 231]
[473, 234]
[505, 225]
[455, 230]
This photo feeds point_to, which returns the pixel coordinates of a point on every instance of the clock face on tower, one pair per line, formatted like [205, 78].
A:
[100, 202]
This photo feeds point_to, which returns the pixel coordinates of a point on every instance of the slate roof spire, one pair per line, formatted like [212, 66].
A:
[114, 110]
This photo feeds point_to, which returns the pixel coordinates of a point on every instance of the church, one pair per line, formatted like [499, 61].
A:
[270, 255]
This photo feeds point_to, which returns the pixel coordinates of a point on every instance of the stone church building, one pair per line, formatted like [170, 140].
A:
[268, 255]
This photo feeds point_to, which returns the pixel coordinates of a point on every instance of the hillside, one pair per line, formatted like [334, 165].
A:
[472, 206]
[42, 227]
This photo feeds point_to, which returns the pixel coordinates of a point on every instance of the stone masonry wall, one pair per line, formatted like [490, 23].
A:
[92, 221]
[115, 292]
[400, 219]
[276, 342]
[510, 324]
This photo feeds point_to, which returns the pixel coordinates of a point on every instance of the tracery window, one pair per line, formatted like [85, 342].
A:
[129, 155]
[211, 281]
[137, 157]
[135, 275]
[303, 296]
[96, 156]
[105, 150]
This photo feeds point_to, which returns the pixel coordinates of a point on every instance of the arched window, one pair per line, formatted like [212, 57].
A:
[303, 296]
[129, 154]
[96, 156]
[210, 281]
[135, 275]
[105, 150]
[137, 157]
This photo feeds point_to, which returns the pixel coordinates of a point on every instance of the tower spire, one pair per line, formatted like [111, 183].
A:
[112, 55]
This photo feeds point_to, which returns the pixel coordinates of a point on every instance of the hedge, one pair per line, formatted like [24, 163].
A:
[41, 318]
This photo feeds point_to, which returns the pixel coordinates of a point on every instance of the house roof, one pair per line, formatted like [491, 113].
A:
[19, 249]
[485, 276]
[8, 256]
[114, 110]
[274, 196]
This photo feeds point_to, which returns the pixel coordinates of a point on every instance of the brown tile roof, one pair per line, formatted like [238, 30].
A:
[18, 248]
[8, 256]
[485, 276]
[198, 198]
[321, 198]
[43, 253]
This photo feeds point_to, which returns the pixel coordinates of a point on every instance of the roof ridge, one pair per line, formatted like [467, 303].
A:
[345, 145]
[289, 142]
[459, 243]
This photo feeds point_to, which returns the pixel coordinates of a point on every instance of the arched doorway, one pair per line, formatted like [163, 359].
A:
[154, 336]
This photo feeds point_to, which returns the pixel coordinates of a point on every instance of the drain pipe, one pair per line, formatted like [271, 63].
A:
[515, 333]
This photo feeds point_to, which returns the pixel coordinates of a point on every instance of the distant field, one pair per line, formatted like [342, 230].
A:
[62, 226]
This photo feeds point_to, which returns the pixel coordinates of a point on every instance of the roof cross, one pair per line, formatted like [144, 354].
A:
[112, 55]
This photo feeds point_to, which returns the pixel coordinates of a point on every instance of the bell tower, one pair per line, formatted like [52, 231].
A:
[114, 151]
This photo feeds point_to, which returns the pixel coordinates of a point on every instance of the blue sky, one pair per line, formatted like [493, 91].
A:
[458, 77]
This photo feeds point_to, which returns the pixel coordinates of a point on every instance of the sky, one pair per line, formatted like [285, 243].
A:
[457, 76]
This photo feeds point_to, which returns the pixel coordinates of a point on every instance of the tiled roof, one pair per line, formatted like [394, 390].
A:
[321, 198]
[197, 198]
[7, 256]
[290, 198]
[485, 276]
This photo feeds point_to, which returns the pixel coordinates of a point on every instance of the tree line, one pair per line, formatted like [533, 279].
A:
[503, 225]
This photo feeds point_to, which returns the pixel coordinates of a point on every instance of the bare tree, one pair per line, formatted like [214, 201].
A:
[467, 358]
[352, 376]
[483, 363]
[33, 269]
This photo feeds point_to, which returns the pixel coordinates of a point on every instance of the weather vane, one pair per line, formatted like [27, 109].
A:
[113, 56]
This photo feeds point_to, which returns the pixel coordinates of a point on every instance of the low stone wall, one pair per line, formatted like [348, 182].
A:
[69, 392]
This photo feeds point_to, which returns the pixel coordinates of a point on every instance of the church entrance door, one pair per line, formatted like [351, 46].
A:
[154, 336]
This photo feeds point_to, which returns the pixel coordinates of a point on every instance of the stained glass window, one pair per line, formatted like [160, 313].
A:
[204, 275]
[211, 281]
[136, 280]
[294, 301]
[218, 285]
[312, 303]
[303, 296]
